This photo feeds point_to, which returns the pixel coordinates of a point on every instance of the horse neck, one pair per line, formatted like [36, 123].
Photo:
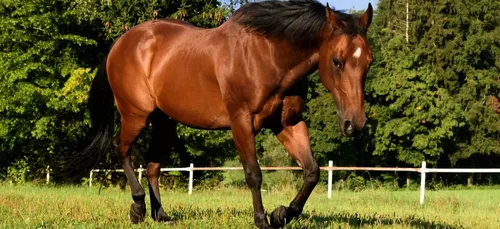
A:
[299, 61]
[293, 64]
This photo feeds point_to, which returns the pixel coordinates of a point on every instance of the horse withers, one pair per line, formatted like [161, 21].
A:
[247, 74]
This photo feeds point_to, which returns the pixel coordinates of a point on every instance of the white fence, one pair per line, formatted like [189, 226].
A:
[330, 168]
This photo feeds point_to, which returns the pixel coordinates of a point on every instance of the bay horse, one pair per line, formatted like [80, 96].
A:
[247, 74]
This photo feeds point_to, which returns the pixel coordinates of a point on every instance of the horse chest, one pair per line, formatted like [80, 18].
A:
[272, 107]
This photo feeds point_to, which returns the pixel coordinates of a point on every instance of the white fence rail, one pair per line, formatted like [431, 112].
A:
[330, 168]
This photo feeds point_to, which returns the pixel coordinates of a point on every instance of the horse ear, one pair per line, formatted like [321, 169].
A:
[330, 16]
[366, 18]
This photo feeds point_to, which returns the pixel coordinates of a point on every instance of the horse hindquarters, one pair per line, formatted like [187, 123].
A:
[127, 66]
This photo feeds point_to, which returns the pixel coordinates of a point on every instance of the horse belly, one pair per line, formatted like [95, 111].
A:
[192, 102]
[196, 114]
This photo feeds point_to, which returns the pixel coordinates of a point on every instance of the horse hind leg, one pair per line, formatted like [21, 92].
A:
[132, 124]
[164, 135]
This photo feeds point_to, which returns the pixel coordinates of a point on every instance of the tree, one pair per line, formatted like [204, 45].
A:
[50, 50]
[429, 95]
[39, 46]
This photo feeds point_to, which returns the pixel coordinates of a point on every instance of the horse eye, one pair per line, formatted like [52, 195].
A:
[337, 64]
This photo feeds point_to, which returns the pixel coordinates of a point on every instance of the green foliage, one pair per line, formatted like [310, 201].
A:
[119, 16]
[18, 172]
[198, 142]
[49, 52]
[429, 94]
[432, 94]
[40, 45]
[271, 152]
[233, 178]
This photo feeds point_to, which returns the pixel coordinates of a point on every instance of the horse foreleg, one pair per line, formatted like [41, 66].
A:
[295, 138]
[244, 138]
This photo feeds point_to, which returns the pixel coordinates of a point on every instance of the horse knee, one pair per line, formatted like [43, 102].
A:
[311, 174]
[253, 178]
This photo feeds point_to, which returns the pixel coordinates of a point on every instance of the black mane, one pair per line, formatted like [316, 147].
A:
[299, 21]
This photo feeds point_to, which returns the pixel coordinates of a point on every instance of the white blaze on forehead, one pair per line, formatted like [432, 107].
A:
[357, 54]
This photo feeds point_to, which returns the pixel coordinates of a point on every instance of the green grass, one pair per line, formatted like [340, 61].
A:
[29, 206]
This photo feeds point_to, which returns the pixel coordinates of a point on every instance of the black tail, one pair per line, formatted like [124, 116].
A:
[102, 112]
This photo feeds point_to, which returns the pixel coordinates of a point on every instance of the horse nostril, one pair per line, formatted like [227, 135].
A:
[348, 127]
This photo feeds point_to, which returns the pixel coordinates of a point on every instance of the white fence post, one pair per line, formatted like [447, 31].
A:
[330, 177]
[191, 166]
[422, 182]
[48, 175]
[140, 173]
[90, 178]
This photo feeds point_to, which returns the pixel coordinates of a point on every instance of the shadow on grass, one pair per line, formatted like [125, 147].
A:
[356, 220]
[315, 220]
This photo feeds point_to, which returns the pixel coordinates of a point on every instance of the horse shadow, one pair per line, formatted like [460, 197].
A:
[355, 220]
[316, 220]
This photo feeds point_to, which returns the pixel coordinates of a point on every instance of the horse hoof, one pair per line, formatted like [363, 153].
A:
[261, 222]
[137, 213]
[278, 217]
[268, 227]
[160, 216]
[264, 226]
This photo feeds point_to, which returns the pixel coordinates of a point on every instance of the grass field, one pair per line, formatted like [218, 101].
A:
[29, 206]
